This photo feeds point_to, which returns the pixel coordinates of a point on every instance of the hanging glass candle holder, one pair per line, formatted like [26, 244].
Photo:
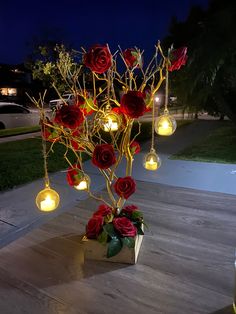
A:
[152, 161]
[47, 200]
[110, 121]
[165, 124]
[84, 183]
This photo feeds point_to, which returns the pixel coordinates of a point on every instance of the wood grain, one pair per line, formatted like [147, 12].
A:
[185, 265]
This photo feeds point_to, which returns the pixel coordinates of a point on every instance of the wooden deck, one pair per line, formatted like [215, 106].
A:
[185, 266]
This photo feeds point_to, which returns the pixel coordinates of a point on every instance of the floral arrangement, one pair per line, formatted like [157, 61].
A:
[106, 105]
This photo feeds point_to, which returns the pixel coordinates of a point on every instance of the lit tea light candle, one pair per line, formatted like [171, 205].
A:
[165, 128]
[110, 126]
[151, 164]
[83, 185]
[48, 204]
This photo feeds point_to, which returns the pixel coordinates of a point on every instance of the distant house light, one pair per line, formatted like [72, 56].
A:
[17, 71]
[8, 91]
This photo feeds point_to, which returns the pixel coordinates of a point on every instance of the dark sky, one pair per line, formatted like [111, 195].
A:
[84, 22]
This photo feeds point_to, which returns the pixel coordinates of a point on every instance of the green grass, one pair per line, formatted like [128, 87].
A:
[22, 161]
[18, 131]
[219, 146]
[181, 123]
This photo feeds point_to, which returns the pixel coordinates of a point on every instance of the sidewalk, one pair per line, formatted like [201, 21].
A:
[18, 212]
[19, 137]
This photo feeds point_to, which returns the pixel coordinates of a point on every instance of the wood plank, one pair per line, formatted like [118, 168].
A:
[19, 297]
[185, 265]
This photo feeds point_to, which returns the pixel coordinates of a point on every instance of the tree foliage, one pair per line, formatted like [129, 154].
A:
[208, 82]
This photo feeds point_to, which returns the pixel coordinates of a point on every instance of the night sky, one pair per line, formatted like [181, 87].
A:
[82, 23]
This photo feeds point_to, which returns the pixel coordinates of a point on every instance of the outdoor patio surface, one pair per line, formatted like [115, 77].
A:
[185, 265]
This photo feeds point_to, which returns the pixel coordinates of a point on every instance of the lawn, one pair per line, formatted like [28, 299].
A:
[219, 146]
[22, 161]
[18, 131]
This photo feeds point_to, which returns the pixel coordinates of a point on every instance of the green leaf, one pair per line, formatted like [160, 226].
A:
[109, 229]
[129, 241]
[114, 247]
[88, 105]
[102, 238]
[108, 218]
[137, 214]
[140, 230]
[79, 175]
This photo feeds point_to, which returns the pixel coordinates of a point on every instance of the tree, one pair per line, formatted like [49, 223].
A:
[208, 80]
[46, 47]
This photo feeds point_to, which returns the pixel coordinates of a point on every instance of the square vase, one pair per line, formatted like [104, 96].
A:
[94, 250]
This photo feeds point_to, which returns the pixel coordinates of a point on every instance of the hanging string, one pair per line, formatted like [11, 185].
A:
[153, 122]
[44, 149]
[167, 83]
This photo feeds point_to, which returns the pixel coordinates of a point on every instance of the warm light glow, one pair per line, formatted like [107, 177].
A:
[157, 99]
[5, 91]
[48, 204]
[47, 200]
[151, 164]
[110, 126]
[165, 125]
[83, 185]
[110, 121]
[152, 161]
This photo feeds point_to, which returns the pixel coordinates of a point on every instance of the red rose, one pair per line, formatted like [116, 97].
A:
[129, 209]
[178, 57]
[125, 187]
[148, 109]
[118, 111]
[80, 100]
[94, 227]
[76, 144]
[103, 156]
[98, 59]
[69, 116]
[133, 104]
[132, 57]
[103, 210]
[135, 147]
[124, 226]
[74, 175]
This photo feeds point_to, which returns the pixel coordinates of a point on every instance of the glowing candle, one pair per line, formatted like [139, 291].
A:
[83, 185]
[165, 128]
[151, 164]
[48, 204]
[110, 126]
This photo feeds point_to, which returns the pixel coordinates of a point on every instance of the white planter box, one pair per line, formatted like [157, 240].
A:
[96, 251]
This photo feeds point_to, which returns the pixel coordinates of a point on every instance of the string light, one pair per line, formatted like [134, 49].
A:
[151, 160]
[83, 184]
[166, 124]
[47, 199]
[111, 121]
